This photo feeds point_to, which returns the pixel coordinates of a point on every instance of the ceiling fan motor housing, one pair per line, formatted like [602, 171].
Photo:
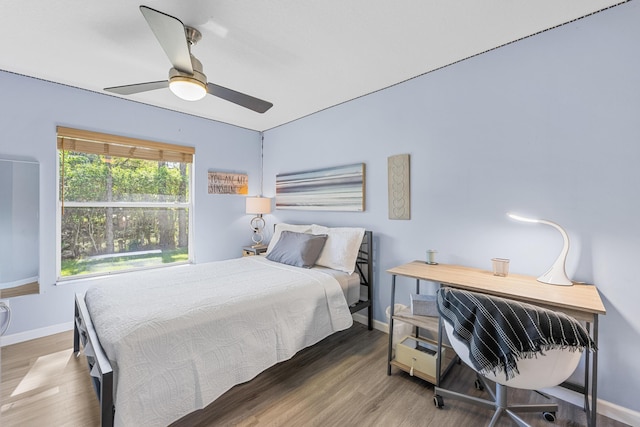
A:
[197, 75]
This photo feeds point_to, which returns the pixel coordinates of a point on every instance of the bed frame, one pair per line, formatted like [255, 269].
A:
[100, 368]
[364, 268]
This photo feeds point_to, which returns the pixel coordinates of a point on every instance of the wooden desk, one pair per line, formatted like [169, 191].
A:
[580, 301]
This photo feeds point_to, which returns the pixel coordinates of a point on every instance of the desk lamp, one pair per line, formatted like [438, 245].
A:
[257, 206]
[556, 275]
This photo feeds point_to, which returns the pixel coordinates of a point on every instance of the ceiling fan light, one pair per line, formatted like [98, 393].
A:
[187, 88]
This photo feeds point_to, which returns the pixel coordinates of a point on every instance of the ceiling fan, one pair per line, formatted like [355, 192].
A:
[186, 79]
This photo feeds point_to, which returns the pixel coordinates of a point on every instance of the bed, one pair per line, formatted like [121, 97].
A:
[163, 343]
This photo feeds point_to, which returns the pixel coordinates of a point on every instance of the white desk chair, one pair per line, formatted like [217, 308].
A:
[534, 373]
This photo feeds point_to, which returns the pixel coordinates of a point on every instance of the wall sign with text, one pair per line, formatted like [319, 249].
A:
[228, 183]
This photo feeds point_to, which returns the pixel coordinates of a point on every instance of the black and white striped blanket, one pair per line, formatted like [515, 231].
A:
[499, 331]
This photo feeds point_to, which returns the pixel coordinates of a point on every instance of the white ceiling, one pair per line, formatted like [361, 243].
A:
[301, 55]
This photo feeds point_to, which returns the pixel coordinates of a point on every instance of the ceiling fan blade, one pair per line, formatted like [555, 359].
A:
[255, 104]
[170, 33]
[137, 88]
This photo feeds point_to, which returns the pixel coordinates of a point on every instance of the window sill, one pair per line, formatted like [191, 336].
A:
[92, 277]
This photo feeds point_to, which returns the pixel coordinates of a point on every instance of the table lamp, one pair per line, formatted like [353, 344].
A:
[556, 275]
[257, 206]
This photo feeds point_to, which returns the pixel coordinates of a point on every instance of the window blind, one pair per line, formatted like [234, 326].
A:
[85, 141]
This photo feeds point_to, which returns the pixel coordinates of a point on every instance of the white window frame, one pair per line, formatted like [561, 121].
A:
[59, 203]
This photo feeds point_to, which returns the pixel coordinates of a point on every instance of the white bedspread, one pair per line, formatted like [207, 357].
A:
[179, 338]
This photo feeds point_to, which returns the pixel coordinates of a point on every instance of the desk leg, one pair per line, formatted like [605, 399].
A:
[594, 376]
[591, 376]
[439, 359]
[417, 334]
[393, 301]
[587, 372]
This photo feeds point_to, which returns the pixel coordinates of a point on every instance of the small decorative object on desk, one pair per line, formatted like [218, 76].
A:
[431, 256]
[500, 266]
[424, 305]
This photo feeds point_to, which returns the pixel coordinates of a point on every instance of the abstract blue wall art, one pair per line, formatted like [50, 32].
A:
[331, 189]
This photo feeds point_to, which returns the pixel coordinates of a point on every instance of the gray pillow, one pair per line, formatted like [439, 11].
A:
[298, 249]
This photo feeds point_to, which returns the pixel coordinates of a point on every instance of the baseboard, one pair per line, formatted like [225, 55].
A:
[619, 413]
[380, 326]
[34, 333]
[608, 409]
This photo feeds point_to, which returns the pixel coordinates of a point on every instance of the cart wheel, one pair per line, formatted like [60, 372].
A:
[437, 401]
[478, 385]
[549, 416]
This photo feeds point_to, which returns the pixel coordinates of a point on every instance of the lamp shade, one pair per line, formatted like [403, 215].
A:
[258, 205]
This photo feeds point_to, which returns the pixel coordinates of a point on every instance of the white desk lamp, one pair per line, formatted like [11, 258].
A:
[556, 275]
[257, 206]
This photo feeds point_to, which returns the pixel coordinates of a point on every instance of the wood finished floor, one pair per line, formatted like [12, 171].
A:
[341, 381]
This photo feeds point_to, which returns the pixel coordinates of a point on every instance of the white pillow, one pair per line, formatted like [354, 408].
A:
[340, 251]
[289, 227]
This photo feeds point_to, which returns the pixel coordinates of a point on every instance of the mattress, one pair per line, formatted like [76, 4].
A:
[350, 283]
[179, 338]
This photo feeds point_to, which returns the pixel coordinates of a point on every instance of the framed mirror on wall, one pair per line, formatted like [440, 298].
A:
[19, 227]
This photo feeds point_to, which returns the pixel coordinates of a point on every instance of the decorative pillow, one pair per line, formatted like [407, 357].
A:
[340, 252]
[282, 227]
[298, 249]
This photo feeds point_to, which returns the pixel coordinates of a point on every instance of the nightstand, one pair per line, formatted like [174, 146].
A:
[251, 250]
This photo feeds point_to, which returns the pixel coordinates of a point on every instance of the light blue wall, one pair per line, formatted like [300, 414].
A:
[548, 126]
[31, 109]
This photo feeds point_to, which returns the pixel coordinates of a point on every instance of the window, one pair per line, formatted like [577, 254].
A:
[124, 203]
